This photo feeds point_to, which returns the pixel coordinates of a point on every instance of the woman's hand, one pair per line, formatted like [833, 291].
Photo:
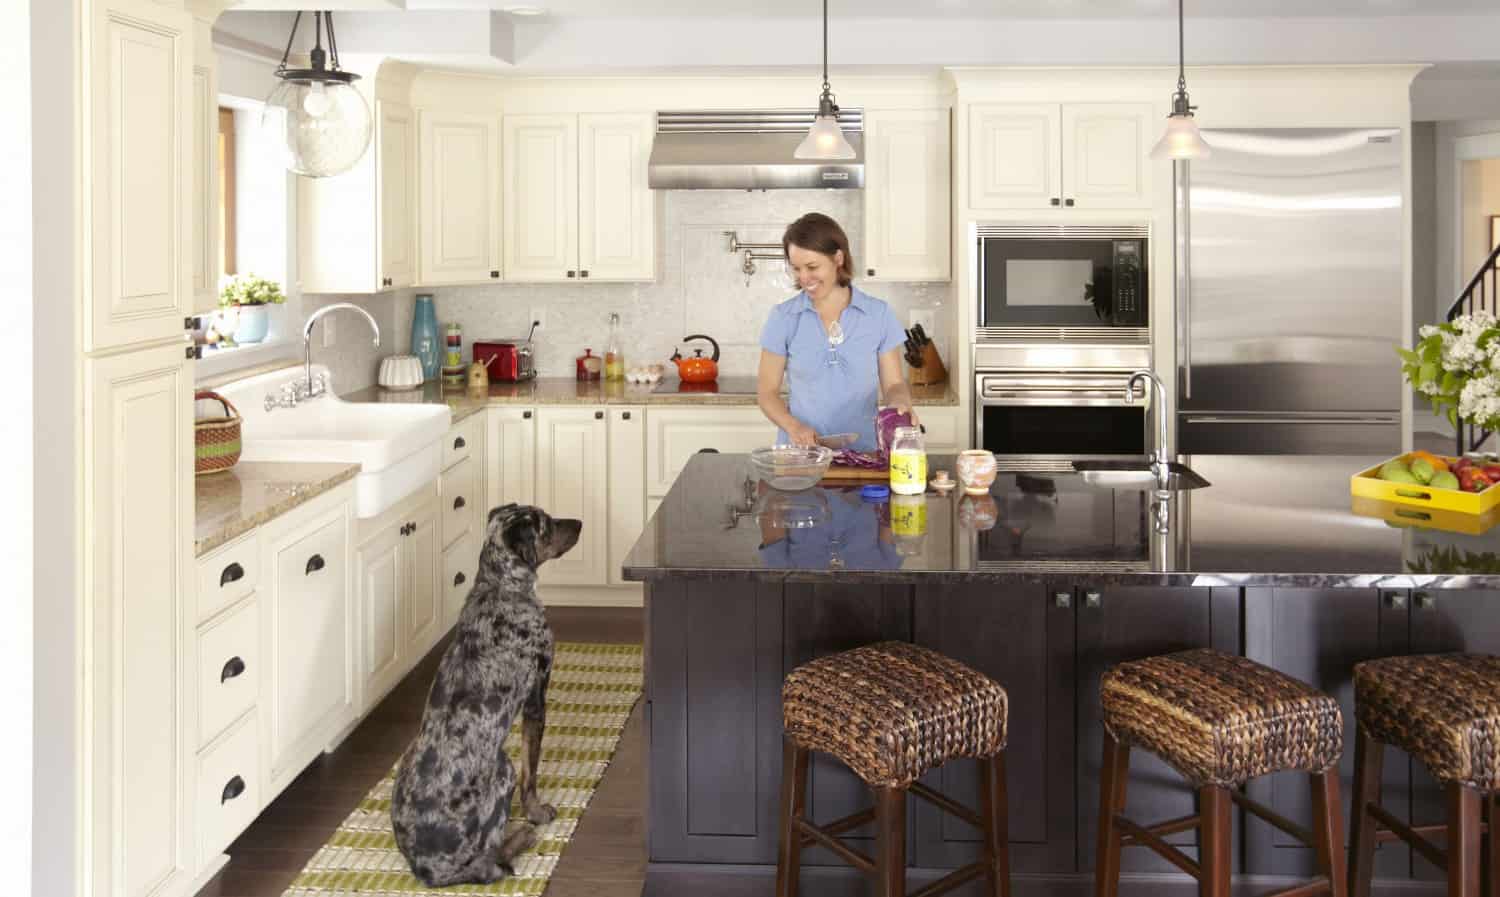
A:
[801, 434]
[907, 409]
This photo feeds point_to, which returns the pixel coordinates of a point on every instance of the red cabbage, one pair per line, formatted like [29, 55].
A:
[886, 422]
[863, 460]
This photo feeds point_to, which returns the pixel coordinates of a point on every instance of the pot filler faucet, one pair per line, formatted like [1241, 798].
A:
[1159, 458]
[308, 388]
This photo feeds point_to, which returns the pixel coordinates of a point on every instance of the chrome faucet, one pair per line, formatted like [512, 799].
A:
[1160, 459]
[317, 388]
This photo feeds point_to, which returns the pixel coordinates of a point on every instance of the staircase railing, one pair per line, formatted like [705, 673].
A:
[1482, 294]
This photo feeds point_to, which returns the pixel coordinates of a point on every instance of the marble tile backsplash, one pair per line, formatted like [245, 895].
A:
[699, 289]
[353, 359]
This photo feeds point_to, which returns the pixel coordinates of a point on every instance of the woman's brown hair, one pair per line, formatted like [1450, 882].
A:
[818, 233]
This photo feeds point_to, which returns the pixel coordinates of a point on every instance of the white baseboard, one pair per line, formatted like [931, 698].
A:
[591, 596]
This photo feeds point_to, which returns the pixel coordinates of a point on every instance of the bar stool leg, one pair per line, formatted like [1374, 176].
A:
[1368, 754]
[1491, 870]
[1114, 774]
[890, 842]
[793, 805]
[993, 810]
[1213, 841]
[1463, 841]
[1328, 819]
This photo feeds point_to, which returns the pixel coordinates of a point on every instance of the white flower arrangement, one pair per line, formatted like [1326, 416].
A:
[1456, 365]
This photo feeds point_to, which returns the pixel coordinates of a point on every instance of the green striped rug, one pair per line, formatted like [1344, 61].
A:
[592, 691]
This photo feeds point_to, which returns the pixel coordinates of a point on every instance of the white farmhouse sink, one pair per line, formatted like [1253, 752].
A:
[397, 445]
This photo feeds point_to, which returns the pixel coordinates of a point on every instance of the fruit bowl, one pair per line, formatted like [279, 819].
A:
[791, 467]
[1394, 480]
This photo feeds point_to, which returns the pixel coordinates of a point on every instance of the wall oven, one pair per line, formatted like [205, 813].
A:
[1073, 275]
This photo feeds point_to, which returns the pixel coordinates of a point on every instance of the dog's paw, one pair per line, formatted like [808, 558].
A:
[540, 813]
[507, 870]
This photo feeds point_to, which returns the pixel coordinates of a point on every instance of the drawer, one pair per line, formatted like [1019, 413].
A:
[227, 575]
[460, 561]
[456, 494]
[229, 791]
[461, 439]
[313, 565]
[228, 669]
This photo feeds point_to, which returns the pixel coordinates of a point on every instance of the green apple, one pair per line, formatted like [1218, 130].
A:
[1423, 470]
[1394, 466]
[1443, 480]
[1399, 475]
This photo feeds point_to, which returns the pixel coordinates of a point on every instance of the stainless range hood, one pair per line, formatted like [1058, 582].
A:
[749, 150]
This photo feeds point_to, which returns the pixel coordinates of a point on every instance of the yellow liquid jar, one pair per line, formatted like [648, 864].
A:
[908, 462]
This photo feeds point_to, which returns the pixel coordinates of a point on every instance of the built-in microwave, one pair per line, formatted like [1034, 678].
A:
[1063, 276]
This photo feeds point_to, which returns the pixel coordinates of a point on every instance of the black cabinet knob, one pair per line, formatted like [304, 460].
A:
[625, 415]
[405, 529]
[233, 668]
[869, 272]
[494, 273]
[314, 564]
[459, 579]
[584, 273]
[1056, 201]
[1069, 203]
[526, 415]
[233, 573]
[458, 502]
[232, 789]
[598, 415]
[459, 443]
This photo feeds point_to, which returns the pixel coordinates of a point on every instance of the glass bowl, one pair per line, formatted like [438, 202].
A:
[790, 467]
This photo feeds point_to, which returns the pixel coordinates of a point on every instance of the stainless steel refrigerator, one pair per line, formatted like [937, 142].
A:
[1287, 335]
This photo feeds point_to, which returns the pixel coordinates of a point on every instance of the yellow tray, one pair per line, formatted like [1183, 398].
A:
[1367, 484]
[1400, 515]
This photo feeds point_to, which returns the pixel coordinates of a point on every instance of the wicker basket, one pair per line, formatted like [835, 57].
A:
[216, 439]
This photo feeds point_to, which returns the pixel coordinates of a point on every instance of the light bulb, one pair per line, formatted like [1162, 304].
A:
[317, 102]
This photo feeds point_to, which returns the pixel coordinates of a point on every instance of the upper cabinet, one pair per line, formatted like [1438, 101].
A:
[576, 204]
[137, 143]
[459, 224]
[907, 188]
[1046, 155]
[354, 230]
[205, 208]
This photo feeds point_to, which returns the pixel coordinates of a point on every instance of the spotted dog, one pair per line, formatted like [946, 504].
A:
[454, 785]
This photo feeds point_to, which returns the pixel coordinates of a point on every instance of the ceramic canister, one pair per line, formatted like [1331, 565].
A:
[976, 471]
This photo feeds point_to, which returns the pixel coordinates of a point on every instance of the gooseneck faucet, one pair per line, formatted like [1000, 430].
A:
[1160, 459]
[307, 330]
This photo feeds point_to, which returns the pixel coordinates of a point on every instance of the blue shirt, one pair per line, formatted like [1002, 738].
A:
[834, 389]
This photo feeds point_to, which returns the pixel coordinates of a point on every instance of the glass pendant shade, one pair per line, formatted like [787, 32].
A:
[1182, 140]
[321, 128]
[824, 140]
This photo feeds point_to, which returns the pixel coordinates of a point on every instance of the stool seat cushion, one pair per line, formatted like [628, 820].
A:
[1220, 719]
[1443, 709]
[893, 710]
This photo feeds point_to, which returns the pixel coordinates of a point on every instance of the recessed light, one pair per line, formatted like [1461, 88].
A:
[524, 10]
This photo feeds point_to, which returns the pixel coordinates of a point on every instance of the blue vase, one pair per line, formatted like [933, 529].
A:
[425, 343]
[254, 322]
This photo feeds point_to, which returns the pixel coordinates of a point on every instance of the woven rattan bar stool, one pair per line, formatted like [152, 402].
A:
[1444, 710]
[890, 712]
[1220, 721]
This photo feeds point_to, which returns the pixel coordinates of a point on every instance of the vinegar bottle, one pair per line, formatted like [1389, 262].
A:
[614, 359]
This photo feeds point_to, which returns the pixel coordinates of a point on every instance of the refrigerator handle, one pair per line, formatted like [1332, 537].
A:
[1182, 252]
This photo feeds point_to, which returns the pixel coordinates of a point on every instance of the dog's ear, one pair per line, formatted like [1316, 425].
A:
[501, 511]
[521, 535]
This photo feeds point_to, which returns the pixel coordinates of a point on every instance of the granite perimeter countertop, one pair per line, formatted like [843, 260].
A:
[251, 493]
[1282, 521]
[726, 391]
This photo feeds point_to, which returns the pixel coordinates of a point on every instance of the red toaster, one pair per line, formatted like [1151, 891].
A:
[508, 361]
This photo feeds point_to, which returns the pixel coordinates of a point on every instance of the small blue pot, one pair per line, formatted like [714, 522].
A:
[253, 323]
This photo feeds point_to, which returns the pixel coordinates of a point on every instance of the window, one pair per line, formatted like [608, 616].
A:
[226, 192]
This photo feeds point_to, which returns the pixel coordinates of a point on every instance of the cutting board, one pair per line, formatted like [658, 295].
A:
[856, 473]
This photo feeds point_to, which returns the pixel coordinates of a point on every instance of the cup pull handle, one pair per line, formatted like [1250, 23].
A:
[459, 579]
[314, 564]
[232, 789]
[234, 667]
[458, 502]
[459, 443]
[233, 573]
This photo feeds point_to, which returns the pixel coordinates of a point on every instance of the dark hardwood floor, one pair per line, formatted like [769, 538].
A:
[606, 858]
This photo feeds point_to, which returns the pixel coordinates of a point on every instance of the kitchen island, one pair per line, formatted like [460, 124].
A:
[1042, 584]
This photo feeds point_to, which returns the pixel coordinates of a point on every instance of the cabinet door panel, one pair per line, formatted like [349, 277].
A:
[1014, 159]
[1129, 624]
[396, 167]
[138, 491]
[205, 222]
[571, 481]
[966, 623]
[424, 608]
[139, 156]
[616, 209]
[1318, 635]
[541, 197]
[510, 459]
[1106, 146]
[674, 435]
[459, 222]
[460, 563]
[627, 485]
[380, 608]
[906, 195]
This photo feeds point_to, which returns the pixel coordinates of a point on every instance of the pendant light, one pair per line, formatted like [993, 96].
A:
[1182, 140]
[321, 122]
[825, 140]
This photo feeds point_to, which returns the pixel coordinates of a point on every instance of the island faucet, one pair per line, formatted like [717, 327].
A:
[1160, 459]
[307, 330]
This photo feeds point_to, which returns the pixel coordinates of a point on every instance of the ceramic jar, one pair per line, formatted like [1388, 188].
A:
[976, 471]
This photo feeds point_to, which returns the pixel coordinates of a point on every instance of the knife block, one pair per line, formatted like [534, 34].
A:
[931, 371]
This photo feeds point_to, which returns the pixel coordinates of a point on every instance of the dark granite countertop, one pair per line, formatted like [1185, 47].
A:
[1264, 521]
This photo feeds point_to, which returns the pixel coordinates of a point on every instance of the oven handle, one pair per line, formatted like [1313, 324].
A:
[1211, 419]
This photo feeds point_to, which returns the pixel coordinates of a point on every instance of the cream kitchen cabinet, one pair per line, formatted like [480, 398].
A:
[205, 157]
[137, 732]
[576, 204]
[459, 223]
[396, 566]
[462, 513]
[355, 230]
[510, 457]
[1049, 155]
[673, 435]
[627, 485]
[907, 189]
[572, 481]
[137, 144]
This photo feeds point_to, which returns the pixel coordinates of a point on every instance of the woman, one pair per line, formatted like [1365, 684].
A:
[839, 348]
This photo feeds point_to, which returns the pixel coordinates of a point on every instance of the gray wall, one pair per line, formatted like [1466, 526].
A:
[1447, 278]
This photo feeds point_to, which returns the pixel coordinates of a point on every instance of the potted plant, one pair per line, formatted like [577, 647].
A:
[249, 294]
